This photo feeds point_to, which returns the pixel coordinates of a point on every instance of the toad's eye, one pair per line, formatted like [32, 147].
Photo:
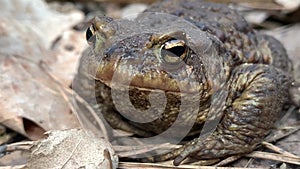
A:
[173, 51]
[90, 32]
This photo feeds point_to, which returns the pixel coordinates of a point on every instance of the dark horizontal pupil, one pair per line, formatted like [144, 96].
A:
[176, 50]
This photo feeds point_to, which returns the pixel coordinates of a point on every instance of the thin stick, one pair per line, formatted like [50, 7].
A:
[13, 167]
[164, 166]
[141, 151]
[275, 157]
[19, 146]
[278, 149]
[228, 160]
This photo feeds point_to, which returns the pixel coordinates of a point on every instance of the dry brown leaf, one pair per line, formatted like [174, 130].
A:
[72, 149]
[257, 11]
[67, 51]
[30, 101]
[289, 4]
[257, 4]
[14, 159]
[45, 22]
[32, 32]
[132, 10]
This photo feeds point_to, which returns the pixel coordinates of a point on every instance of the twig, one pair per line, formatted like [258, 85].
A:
[145, 149]
[249, 162]
[287, 114]
[13, 167]
[282, 135]
[228, 160]
[275, 157]
[130, 148]
[19, 146]
[291, 130]
[164, 166]
[278, 150]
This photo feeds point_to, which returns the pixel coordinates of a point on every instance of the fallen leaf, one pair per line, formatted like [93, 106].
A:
[72, 149]
[67, 51]
[30, 101]
[45, 22]
[289, 4]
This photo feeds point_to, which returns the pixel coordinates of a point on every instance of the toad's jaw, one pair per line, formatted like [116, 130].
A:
[114, 74]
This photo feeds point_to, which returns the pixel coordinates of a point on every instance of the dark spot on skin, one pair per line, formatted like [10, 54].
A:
[69, 47]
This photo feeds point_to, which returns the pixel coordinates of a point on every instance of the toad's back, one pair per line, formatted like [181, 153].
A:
[244, 44]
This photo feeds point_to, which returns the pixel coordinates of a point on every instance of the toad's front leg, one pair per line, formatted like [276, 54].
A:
[255, 96]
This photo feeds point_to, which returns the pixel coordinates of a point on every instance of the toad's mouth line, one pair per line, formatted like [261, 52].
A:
[185, 88]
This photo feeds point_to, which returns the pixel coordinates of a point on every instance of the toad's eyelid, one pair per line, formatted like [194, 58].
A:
[174, 43]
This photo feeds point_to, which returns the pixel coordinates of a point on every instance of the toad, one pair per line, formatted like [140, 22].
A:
[186, 68]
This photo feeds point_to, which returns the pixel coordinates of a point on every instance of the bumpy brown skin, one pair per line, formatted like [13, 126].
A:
[246, 97]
